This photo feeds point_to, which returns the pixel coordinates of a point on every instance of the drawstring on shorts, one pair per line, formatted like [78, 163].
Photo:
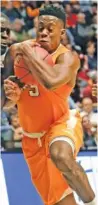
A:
[35, 135]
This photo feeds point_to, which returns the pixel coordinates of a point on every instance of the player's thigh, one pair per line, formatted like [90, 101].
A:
[68, 200]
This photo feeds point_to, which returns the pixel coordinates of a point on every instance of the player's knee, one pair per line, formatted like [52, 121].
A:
[56, 154]
[62, 156]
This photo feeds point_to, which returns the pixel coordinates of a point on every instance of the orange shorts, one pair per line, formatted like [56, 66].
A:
[48, 180]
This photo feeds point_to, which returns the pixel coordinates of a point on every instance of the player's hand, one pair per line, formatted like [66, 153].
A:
[31, 43]
[18, 48]
[28, 53]
[26, 48]
[12, 90]
[28, 44]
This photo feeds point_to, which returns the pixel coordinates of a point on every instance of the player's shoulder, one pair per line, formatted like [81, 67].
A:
[69, 57]
[72, 58]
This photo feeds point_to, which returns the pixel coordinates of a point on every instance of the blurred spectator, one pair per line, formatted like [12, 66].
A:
[94, 24]
[15, 3]
[71, 18]
[76, 8]
[89, 133]
[83, 61]
[95, 90]
[18, 134]
[32, 31]
[87, 90]
[92, 60]
[76, 95]
[11, 12]
[32, 10]
[72, 104]
[10, 112]
[6, 132]
[82, 32]
[71, 37]
[68, 40]
[18, 33]
[87, 109]
[14, 120]
[22, 9]
[94, 8]
[82, 79]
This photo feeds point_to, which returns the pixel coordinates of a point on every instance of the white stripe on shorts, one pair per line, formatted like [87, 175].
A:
[66, 193]
[66, 139]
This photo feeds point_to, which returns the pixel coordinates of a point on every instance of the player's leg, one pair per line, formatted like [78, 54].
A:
[68, 200]
[62, 156]
[63, 150]
[47, 179]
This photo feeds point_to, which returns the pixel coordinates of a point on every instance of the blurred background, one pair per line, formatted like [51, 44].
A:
[82, 34]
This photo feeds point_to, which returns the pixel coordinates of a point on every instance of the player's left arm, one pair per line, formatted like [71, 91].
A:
[62, 72]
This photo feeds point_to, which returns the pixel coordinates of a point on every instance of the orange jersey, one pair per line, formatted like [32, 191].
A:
[38, 107]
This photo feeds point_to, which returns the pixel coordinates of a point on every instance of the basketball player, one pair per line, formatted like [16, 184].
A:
[52, 136]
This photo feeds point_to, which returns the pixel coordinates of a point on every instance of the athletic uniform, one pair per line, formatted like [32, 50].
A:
[44, 115]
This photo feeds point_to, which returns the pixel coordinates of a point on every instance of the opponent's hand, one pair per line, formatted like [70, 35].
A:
[12, 90]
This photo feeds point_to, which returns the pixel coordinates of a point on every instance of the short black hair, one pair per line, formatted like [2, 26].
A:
[53, 10]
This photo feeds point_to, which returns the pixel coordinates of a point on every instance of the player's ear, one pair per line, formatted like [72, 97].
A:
[63, 37]
[63, 33]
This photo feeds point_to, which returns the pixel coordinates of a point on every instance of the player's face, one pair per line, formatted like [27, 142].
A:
[50, 30]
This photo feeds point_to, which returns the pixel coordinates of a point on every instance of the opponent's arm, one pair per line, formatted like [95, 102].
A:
[8, 70]
[51, 77]
[6, 102]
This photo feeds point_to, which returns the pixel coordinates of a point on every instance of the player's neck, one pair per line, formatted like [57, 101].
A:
[56, 49]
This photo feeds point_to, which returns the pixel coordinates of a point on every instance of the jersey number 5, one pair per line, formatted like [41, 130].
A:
[34, 92]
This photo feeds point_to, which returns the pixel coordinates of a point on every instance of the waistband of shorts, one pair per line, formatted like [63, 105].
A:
[35, 135]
